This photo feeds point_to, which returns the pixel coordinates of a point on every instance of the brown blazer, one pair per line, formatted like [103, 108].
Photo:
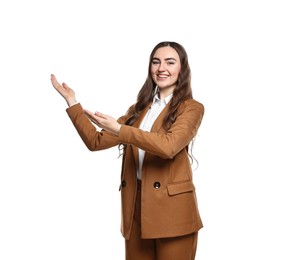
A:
[169, 205]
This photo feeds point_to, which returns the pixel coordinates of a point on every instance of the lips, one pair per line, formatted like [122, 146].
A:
[162, 76]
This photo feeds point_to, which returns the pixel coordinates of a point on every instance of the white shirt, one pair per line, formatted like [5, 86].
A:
[147, 123]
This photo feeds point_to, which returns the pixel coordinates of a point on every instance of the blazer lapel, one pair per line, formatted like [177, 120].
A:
[158, 124]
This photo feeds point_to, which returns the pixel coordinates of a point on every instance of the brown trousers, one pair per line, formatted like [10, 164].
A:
[176, 248]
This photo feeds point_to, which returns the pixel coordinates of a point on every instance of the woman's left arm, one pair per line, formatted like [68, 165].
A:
[165, 145]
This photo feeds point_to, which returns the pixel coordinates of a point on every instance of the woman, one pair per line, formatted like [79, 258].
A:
[160, 217]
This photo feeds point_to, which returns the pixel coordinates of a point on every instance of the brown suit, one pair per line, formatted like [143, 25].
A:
[168, 206]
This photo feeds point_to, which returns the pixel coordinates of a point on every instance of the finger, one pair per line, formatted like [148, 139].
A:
[65, 86]
[91, 116]
[87, 112]
[53, 78]
[54, 81]
[99, 114]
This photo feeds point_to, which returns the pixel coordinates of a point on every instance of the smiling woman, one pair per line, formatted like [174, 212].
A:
[160, 217]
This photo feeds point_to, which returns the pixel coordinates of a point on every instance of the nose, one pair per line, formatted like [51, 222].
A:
[162, 66]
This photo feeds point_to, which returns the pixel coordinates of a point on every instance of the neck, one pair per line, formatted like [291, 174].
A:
[165, 92]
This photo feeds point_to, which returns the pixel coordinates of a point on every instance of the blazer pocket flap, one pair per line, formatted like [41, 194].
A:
[178, 188]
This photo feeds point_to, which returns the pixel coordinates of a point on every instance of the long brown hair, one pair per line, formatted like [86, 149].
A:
[181, 92]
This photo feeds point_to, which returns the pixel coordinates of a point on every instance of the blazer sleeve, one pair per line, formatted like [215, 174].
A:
[167, 144]
[94, 140]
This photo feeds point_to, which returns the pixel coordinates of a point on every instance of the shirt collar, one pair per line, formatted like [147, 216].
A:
[166, 100]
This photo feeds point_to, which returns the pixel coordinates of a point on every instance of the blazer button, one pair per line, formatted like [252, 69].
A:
[123, 183]
[157, 185]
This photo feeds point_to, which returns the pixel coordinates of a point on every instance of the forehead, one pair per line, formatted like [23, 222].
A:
[166, 52]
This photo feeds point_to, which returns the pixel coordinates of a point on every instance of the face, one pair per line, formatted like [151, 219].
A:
[165, 68]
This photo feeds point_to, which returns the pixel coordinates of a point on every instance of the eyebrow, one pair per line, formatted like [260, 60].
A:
[167, 59]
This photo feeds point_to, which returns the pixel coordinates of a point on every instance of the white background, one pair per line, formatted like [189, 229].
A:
[60, 201]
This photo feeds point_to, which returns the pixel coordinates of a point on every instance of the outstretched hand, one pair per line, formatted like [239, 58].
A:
[66, 92]
[105, 122]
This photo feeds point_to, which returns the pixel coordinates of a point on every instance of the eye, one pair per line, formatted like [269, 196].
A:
[154, 62]
[171, 62]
